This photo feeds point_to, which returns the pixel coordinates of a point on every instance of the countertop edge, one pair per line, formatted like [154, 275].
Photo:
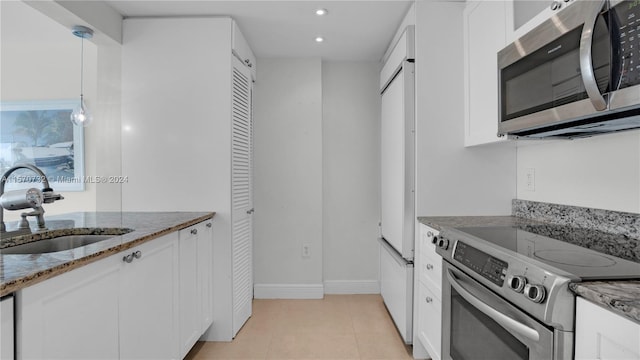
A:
[619, 297]
[37, 277]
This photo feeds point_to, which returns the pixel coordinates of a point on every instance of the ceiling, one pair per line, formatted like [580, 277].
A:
[357, 30]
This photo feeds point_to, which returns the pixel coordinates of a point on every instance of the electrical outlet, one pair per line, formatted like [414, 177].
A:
[530, 179]
[306, 252]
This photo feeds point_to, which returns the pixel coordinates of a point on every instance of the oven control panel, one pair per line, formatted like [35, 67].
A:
[487, 266]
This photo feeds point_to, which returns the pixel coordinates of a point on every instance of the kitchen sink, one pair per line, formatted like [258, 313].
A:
[60, 243]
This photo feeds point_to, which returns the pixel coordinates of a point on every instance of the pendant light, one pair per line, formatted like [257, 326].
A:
[81, 115]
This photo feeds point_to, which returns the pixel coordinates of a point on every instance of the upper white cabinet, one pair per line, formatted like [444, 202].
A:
[241, 49]
[187, 141]
[524, 15]
[484, 35]
[602, 334]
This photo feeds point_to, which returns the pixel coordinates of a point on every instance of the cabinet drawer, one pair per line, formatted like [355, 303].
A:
[430, 263]
[429, 321]
[430, 273]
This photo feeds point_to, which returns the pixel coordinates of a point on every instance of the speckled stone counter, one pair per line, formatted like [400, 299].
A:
[621, 297]
[439, 222]
[20, 271]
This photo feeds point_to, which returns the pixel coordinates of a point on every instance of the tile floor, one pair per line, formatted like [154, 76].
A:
[336, 327]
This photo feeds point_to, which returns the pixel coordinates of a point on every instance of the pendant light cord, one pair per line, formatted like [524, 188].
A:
[81, 67]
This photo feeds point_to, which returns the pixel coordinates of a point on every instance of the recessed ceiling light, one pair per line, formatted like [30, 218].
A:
[321, 12]
[319, 39]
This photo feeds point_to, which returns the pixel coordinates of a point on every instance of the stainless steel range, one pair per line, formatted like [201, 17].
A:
[506, 291]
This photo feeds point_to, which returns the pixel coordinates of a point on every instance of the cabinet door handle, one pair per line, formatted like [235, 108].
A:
[429, 233]
[209, 225]
[429, 266]
[137, 254]
[428, 299]
[250, 211]
[128, 258]
[194, 231]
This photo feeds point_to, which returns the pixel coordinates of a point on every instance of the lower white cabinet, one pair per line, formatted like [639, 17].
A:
[148, 300]
[205, 274]
[189, 299]
[6, 328]
[195, 284]
[143, 303]
[602, 334]
[428, 287]
[429, 321]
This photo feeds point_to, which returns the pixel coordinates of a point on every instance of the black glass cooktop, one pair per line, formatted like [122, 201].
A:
[564, 248]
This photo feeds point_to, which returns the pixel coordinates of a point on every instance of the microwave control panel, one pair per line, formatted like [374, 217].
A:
[628, 16]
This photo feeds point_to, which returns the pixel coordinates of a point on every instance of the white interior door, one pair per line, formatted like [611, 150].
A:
[241, 197]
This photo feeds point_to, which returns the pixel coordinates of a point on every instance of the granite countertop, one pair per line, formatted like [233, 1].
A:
[622, 297]
[20, 271]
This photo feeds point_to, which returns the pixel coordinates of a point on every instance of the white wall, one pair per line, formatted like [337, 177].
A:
[288, 177]
[600, 172]
[41, 61]
[452, 179]
[351, 176]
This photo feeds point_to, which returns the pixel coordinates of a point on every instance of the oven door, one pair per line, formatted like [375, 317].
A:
[478, 324]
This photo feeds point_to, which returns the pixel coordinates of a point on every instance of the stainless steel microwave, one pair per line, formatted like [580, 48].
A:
[575, 75]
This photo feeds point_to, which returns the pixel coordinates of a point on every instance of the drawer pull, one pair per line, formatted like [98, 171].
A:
[209, 225]
[429, 266]
[137, 254]
[429, 233]
[194, 231]
[428, 300]
[128, 258]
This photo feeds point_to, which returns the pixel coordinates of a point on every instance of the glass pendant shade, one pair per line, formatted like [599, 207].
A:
[81, 116]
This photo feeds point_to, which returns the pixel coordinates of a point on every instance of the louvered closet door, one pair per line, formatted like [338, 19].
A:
[242, 199]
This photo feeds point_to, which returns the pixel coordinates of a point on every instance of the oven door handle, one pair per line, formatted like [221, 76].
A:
[586, 58]
[500, 318]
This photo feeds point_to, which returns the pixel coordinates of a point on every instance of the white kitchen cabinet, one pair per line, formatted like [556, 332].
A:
[525, 15]
[241, 49]
[149, 300]
[72, 316]
[193, 98]
[429, 321]
[484, 35]
[205, 274]
[602, 334]
[189, 312]
[152, 301]
[428, 287]
[196, 302]
[6, 328]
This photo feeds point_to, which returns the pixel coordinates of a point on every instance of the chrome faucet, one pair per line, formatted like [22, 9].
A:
[32, 198]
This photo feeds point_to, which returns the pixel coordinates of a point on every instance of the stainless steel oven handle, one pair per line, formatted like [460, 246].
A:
[586, 59]
[500, 318]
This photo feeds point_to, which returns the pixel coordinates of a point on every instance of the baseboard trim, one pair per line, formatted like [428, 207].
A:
[352, 287]
[288, 291]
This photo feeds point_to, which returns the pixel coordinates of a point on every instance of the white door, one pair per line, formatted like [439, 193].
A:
[397, 162]
[242, 198]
